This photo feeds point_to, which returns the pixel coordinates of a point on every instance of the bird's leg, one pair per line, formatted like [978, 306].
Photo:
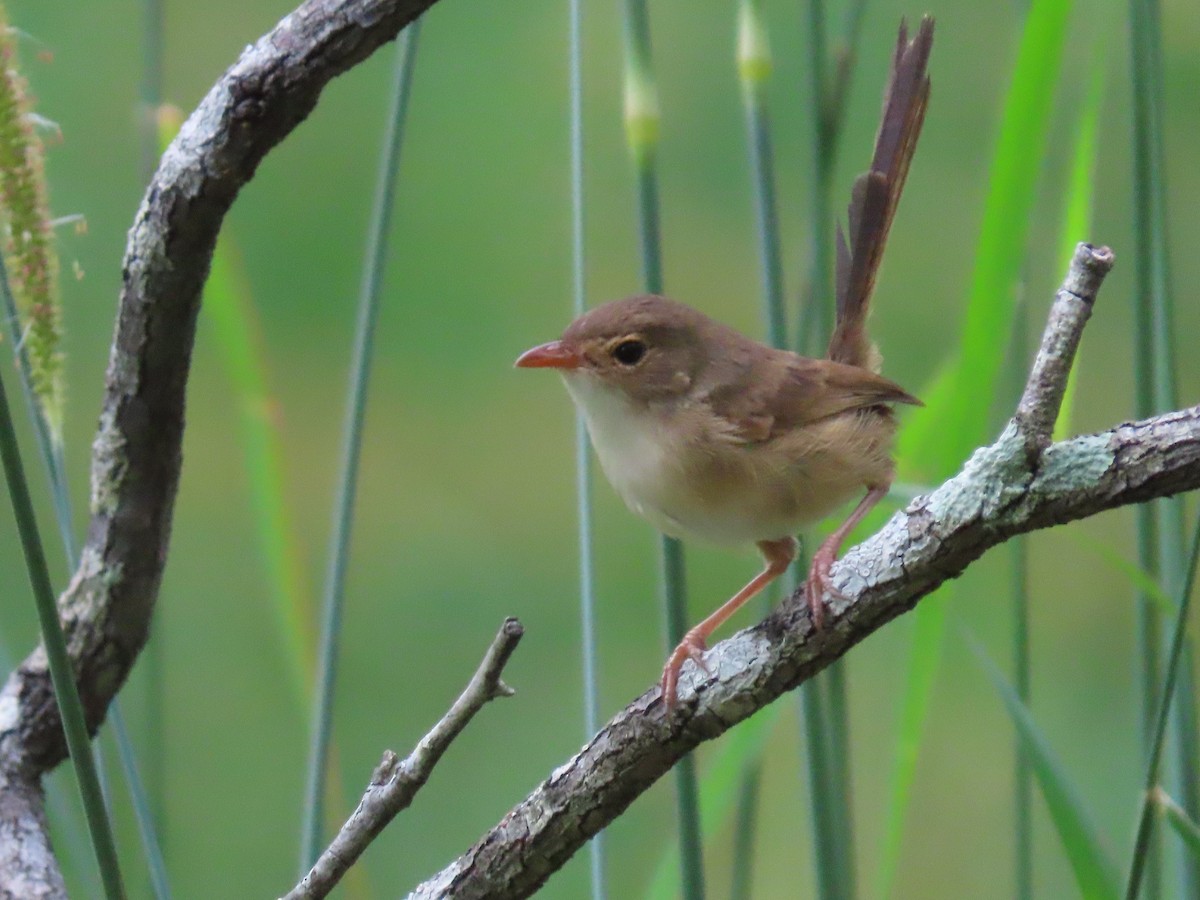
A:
[819, 582]
[778, 555]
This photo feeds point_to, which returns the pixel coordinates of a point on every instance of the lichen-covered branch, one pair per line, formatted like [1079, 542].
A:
[997, 495]
[1016, 485]
[107, 607]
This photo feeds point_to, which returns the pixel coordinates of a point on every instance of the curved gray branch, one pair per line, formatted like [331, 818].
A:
[107, 607]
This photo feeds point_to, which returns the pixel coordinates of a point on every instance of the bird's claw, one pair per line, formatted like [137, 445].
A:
[691, 647]
[820, 583]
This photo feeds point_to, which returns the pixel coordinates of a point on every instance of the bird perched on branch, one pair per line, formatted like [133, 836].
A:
[709, 434]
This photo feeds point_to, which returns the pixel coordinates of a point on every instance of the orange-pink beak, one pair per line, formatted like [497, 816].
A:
[554, 355]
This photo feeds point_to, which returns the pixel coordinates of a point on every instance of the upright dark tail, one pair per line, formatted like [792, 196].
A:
[876, 195]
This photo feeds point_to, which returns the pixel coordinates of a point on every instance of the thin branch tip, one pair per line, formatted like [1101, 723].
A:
[1089, 266]
[386, 768]
[513, 628]
[1042, 400]
[505, 642]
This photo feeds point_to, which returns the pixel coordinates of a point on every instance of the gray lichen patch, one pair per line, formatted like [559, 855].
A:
[993, 478]
[109, 464]
[1074, 465]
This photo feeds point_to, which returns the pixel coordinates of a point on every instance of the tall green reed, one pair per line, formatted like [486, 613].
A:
[1095, 875]
[1018, 549]
[1160, 526]
[1176, 661]
[368, 307]
[754, 66]
[642, 121]
[153, 663]
[39, 365]
[938, 440]
[823, 699]
[583, 460]
[61, 674]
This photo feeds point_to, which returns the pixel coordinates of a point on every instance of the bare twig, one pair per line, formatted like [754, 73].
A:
[395, 783]
[1040, 404]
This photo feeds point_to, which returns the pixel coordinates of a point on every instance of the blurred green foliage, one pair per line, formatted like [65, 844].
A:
[465, 515]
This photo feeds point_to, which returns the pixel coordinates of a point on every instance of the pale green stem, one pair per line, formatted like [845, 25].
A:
[583, 463]
[368, 308]
[641, 124]
[61, 675]
[1158, 737]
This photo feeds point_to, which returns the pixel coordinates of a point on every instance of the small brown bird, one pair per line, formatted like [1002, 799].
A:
[709, 434]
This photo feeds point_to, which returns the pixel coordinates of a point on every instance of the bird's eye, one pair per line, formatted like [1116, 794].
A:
[629, 352]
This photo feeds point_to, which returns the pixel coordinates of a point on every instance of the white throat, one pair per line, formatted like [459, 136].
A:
[628, 439]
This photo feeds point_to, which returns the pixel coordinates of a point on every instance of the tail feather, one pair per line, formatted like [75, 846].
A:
[876, 195]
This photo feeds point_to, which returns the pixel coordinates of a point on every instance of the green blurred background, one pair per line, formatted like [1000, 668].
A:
[466, 512]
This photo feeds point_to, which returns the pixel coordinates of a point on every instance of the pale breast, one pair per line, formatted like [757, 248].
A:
[691, 479]
[630, 445]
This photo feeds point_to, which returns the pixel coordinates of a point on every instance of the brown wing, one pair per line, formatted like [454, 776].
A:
[876, 195]
[804, 391]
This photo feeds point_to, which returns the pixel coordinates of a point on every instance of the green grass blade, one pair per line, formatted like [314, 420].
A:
[745, 831]
[1095, 875]
[937, 441]
[1176, 662]
[719, 792]
[928, 446]
[924, 662]
[1138, 578]
[823, 796]
[140, 802]
[754, 66]
[823, 703]
[754, 69]
[816, 308]
[228, 306]
[71, 710]
[312, 826]
[1177, 817]
[1161, 527]
[73, 847]
[1154, 286]
[51, 452]
[641, 132]
[1018, 549]
[152, 661]
[1023, 769]
[583, 461]
[1078, 209]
